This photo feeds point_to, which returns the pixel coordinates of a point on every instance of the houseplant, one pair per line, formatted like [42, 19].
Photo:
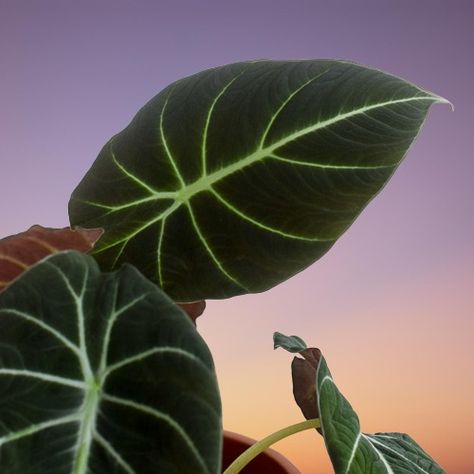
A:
[227, 182]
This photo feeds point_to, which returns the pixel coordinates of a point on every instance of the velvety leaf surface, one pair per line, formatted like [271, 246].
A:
[234, 179]
[102, 373]
[350, 450]
[18, 252]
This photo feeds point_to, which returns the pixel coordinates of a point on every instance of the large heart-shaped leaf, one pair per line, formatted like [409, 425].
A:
[102, 373]
[350, 450]
[234, 179]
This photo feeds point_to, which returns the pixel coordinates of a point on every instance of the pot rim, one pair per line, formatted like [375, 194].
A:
[270, 452]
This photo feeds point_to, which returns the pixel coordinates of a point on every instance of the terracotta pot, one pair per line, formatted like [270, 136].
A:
[268, 462]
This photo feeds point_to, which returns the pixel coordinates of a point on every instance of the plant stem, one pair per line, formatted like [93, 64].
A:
[265, 443]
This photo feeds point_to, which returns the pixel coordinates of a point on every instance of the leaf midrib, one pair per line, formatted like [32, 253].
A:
[206, 182]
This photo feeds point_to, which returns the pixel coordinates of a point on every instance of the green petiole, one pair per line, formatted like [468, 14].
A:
[265, 443]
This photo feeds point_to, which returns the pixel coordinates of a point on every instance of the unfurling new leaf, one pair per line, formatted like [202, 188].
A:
[350, 450]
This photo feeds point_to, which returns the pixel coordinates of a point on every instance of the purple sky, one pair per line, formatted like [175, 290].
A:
[74, 73]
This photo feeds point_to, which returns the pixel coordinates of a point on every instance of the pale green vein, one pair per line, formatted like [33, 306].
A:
[116, 313]
[111, 450]
[382, 435]
[263, 226]
[36, 428]
[70, 345]
[210, 251]
[77, 298]
[64, 278]
[159, 251]
[108, 330]
[326, 378]
[91, 399]
[130, 175]
[89, 411]
[394, 451]
[138, 202]
[353, 453]
[156, 350]
[126, 307]
[45, 377]
[344, 116]
[208, 121]
[163, 417]
[166, 147]
[285, 103]
[78, 301]
[130, 236]
[380, 455]
[205, 183]
[330, 167]
[119, 252]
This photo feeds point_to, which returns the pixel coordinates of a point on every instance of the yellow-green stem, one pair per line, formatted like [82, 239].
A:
[265, 443]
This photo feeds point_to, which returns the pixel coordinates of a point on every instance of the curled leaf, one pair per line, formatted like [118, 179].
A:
[303, 372]
[304, 382]
[19, 252]
[289, 343]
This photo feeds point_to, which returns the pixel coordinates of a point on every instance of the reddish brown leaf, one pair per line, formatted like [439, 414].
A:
[303, 372]
[194, 309]
[18, 252]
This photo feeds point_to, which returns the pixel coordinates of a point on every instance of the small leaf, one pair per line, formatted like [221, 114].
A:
[102, 373]
[232, 180]
[354, 452]
[350, 450]
[289, 343]
[18, 252]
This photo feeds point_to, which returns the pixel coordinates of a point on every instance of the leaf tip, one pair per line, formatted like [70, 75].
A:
[289, 343]
[441, 100]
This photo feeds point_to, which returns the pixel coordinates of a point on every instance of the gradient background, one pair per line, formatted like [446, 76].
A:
[391, 305]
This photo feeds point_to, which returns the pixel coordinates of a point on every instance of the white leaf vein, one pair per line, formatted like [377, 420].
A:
[45, 377]
[374, 440]
[268, 228]
[163, 417]
[209, 250]
[113, 452]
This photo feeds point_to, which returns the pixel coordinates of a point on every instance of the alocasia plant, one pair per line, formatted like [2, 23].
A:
[227, 182]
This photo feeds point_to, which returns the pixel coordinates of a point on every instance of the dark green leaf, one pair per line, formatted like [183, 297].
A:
[234, 179]
[354, 452]
[102, 373]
